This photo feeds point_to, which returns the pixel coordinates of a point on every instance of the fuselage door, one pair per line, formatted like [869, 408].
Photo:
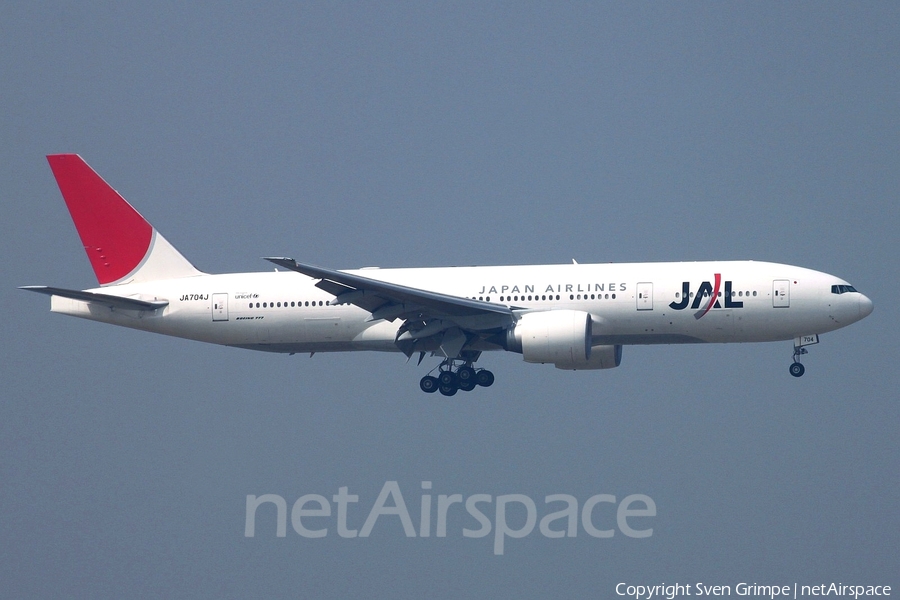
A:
[220, 307]
[781, 293]
[644, 296]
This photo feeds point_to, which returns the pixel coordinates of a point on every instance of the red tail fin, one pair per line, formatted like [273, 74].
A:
[119, 242]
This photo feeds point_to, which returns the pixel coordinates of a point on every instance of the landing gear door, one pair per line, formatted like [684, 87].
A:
[781, 293]
[805, 340]
[644, 296]
[220, 307]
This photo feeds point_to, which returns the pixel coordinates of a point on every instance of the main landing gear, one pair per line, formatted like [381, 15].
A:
[797, 369]
[451, 378]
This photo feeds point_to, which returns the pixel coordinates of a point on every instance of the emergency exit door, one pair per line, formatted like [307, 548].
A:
[220, 307]
[781, 293]
[644, 296]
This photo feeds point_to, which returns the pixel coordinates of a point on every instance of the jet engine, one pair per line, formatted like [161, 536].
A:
[561, 337]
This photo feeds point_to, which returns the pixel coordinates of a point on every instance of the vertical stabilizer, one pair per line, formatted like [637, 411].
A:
[121, 245]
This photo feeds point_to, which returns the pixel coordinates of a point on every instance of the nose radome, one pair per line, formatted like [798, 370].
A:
[865, 306]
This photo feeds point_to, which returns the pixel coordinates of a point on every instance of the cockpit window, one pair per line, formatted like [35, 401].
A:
[842, 289]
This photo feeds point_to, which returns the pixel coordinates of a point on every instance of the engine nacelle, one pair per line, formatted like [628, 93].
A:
[553, 336]
[561, 337]
[602, 357]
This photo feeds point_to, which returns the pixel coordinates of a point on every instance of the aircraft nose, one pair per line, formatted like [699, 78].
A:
[865, 306]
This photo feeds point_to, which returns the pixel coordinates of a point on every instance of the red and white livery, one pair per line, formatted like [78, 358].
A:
[574, 316]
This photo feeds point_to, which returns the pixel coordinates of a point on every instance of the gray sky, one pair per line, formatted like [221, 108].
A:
[402, 135]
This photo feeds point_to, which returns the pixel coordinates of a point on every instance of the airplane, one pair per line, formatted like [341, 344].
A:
[573, 316]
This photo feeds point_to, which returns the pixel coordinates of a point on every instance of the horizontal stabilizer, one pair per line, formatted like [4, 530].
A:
[103, 299]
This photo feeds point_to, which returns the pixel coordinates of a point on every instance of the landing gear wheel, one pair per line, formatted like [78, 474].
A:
[465, 373]
[448, 379]
[457, 374]
[429, 384]
[797, 369]
[484, 378]
[468, 385]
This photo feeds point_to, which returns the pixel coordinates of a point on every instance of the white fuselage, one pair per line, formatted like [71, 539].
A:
[630, 303]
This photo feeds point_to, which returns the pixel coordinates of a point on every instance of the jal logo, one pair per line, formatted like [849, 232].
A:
[706, 297]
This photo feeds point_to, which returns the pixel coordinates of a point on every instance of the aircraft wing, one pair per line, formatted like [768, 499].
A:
[108, 300]
[359, 290]
[451, 320]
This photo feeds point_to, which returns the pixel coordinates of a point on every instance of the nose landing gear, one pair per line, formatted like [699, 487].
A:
[452, 378]
[797, 369]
